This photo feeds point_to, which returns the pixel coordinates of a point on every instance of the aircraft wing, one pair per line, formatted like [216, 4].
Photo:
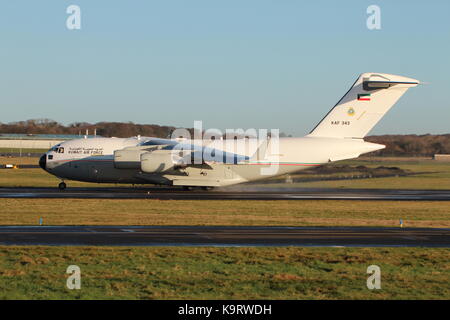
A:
[196, 154]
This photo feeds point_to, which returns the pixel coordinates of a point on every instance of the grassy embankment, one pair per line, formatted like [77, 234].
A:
[223, 273]
[224, 212]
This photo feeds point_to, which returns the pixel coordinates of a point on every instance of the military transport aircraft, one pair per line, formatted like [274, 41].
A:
[221, 162]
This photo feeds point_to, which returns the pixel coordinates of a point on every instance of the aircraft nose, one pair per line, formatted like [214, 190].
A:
[43, 161]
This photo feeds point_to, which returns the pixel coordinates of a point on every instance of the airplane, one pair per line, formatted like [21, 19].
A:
[209, 163]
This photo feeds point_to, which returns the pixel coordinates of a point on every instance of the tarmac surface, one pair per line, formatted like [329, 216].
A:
[223, 236]
[231, 193]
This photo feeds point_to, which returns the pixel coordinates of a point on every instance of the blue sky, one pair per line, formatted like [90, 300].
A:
[233, 64]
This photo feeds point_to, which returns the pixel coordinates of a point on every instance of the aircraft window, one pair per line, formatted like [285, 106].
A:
[50, 157]
[61, 150]
[151, 143]
[157, 142]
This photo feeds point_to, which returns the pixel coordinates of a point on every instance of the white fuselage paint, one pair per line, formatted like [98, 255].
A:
[92, 160]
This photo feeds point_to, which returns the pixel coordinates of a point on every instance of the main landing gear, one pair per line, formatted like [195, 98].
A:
[191, 188]
[62, 185]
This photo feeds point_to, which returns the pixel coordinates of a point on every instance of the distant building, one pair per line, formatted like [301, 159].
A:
[442, 157]
[33, 141]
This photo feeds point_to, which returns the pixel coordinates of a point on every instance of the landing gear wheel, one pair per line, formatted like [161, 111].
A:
[62, 185]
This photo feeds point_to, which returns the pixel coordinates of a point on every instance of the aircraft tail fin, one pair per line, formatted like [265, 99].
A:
[367, 101]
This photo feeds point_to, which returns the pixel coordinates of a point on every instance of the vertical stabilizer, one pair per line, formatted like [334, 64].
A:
[367, 101]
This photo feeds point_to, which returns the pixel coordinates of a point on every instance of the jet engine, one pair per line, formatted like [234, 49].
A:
[159, 161]
[129, 158]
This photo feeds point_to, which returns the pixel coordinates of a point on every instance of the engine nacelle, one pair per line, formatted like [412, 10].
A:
[158, 161]
[128, 158]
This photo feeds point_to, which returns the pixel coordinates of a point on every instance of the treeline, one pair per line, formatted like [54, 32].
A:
[105, 129]
[412, 145]
[396, 145]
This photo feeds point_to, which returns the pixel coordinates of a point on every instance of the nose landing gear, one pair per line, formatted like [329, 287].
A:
[190, 188]
[62, 185]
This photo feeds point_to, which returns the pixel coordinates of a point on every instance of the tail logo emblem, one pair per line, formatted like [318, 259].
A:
[351, 112]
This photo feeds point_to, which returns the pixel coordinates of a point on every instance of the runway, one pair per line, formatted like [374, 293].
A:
[222, 236]
[230, 193]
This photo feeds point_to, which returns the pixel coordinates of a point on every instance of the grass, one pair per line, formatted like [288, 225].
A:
[179, 212]
[19, 160]
[224, 212]
[39, 272]
[36, 178]
[23, 150]
[223, 273]
[434, 175]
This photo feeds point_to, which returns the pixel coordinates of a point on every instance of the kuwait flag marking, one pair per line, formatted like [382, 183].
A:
[364, 96]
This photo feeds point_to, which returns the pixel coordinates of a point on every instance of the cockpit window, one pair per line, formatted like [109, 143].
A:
[57, 149]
